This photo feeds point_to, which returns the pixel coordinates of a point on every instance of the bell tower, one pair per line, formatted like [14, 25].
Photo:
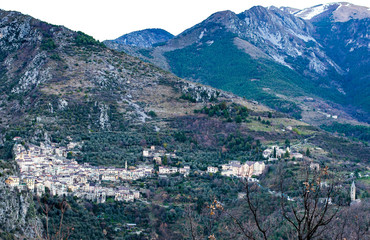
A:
[353, 192]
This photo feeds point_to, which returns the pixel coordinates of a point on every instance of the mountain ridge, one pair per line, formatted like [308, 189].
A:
[289, 40]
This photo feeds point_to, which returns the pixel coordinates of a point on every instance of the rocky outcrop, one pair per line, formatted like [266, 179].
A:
[18, 214]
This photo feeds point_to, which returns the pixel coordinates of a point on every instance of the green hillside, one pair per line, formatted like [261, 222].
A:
[222, 65]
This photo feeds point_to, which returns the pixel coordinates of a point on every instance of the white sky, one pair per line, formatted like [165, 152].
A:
[110, 19]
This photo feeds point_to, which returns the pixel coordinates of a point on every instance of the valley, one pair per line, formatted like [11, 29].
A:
[100, 143]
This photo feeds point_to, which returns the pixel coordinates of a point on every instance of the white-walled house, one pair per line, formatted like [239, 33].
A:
[211, 169]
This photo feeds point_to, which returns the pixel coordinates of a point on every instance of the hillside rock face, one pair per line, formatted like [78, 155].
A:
[281, 35]
[17, 213]
[40, 61]
[144, 38]
[284, 37]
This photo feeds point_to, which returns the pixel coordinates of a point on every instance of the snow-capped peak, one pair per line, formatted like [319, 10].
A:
[309, 13]
[338, 11]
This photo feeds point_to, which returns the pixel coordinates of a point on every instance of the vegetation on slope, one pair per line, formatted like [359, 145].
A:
[219, 63]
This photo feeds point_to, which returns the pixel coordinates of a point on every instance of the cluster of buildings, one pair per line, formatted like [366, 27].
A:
[237, 169]
[51, 166]
[157, 154]
[273, 153]
[172, 170]
[47, 166]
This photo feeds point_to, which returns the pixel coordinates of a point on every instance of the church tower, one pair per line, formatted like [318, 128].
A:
[353, 192]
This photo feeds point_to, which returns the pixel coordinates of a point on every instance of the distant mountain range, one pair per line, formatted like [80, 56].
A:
[279, 56]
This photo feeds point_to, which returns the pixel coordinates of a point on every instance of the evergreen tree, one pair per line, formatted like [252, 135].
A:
[308, 154]
[287, 143]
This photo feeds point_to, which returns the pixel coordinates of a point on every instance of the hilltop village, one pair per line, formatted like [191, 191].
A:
[49, 167]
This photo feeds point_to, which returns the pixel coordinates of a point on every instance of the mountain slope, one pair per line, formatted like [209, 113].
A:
[313, 53]
[143, 38]
[271, 37]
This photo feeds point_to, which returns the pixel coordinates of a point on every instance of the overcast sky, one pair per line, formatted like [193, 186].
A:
[110, 19]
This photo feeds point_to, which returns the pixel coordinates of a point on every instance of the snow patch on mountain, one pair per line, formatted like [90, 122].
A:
[202, 34]
[309, 13]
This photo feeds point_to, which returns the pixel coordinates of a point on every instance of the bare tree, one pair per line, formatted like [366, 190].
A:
[59, 231]
[305, 207]
[312, 210]
[191, 223]
[351, 223]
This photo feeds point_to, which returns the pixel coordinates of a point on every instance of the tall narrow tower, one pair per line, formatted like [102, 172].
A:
[126, 165]
[353, 192]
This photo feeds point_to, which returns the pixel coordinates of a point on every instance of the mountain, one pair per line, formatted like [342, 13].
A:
[337, 12]
[343, 30]
[60, 86]
[278, 58]
[145, 38]
[289, 10]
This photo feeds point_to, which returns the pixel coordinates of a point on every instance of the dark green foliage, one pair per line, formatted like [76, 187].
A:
[146, 53]
[69, 155]
[55, 57]
[287, 143]
[6, 150]
[238, 143]
[238, 112]
[188, 97]
[83, 39]
[152, 114]
[180, 136]
[3, 55]
[353, 131]
[7, 236]
[84, 223]
[48, 44]
[224, 66]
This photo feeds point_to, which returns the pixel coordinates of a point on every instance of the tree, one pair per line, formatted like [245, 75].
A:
[152, 114]
[165, 160]
[274, 153]
[238, 119]
[69, 155]
[302, 207]
[308, 153]
[287, 143]
[60, 232]
[312, 211]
